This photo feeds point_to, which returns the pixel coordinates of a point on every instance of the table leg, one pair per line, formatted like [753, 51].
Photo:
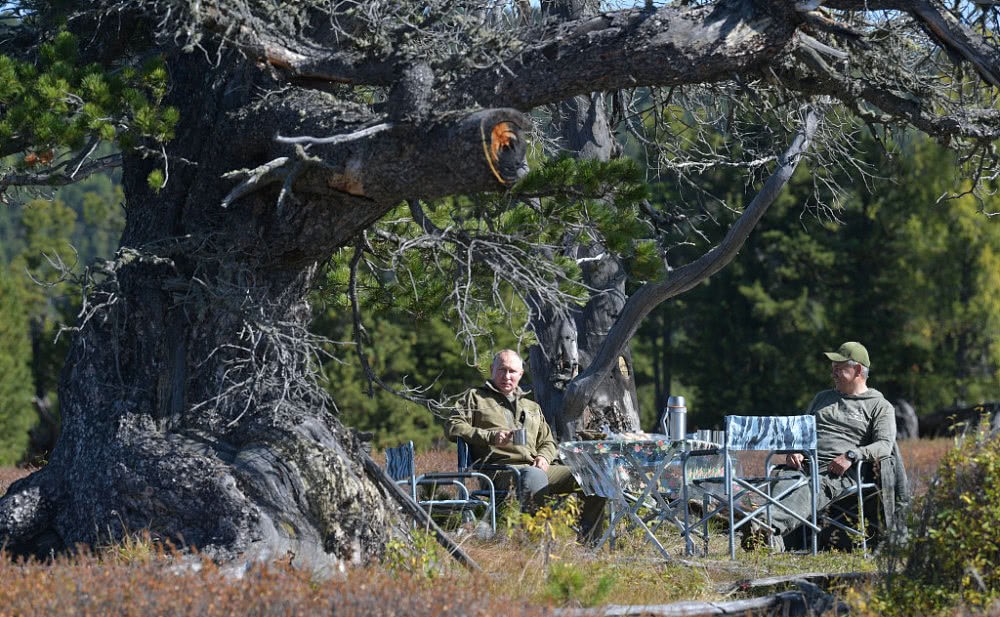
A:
[651, 480]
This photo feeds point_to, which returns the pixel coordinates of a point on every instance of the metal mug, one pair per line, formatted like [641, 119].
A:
[520, 437]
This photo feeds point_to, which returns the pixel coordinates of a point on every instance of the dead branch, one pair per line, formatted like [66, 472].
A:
[582, 388]
[60, 178]
[789, 603]
[820, 578]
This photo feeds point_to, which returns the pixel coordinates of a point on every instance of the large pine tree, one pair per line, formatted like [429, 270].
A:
[17, 412]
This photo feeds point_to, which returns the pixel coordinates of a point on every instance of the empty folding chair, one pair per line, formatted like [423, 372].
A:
[400, 467]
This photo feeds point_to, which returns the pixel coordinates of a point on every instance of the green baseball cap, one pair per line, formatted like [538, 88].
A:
[850, 351]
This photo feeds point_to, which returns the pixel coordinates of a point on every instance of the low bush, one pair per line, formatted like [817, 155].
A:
[170, 584]
[952, 561]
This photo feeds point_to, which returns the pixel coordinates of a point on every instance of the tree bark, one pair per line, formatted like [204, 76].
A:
[188, 401]
[568, 342]
[907, 425]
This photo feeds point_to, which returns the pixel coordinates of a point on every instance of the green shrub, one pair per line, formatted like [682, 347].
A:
[953, 558]
[421, 555]
[567, 583]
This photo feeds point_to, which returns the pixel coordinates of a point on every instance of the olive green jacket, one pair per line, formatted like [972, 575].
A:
[483, 412]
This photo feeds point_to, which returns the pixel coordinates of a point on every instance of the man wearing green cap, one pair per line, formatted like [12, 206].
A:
[853, 423]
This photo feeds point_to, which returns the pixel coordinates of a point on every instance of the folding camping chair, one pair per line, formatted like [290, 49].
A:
[736, 496]
[467, 465]
[400, 467]
[881, 488]
[846, 511]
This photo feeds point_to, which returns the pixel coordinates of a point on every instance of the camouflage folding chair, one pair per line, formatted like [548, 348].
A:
[747, 500]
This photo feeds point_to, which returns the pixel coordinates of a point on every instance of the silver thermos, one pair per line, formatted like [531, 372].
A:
[676, 418]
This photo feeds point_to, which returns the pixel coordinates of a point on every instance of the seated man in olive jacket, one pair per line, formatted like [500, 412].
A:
[853, 423]
[486, 417]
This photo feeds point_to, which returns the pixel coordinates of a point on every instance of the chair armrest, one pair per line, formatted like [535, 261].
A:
[435, 480]
[492, 467]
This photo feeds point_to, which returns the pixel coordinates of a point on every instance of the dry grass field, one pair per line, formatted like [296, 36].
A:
[524, 574]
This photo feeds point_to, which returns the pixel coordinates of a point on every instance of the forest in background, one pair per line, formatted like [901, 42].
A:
[915, 278]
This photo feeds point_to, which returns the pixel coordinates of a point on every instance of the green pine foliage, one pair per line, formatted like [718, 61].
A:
[54, 104]
[405, 352]
[602, 198]
[942, 284]
[17, 414]
[80, 225]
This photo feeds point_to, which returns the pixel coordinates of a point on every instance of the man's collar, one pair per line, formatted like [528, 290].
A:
[516, 394]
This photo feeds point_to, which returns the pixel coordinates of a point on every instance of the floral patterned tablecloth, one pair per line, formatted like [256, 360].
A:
[607, 467]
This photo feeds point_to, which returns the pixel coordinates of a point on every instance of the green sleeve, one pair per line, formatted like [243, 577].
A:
[546, 442]
[881, 433]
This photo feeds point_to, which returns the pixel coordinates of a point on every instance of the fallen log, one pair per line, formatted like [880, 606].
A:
[808, 600]
[789, 603]
[824, 579]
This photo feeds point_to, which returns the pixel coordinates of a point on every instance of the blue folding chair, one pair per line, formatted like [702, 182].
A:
[401, 468]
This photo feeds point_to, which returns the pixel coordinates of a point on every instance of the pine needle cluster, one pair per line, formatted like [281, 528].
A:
[54, 104]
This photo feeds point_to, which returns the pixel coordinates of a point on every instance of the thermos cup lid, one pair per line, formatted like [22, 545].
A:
[675, 401]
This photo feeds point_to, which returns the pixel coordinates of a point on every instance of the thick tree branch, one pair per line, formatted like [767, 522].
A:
[307, 65]
[650, 295]
[454, 153]
[942, 26]
[958, 39]
[274, 40]
[625, 49]
[469, 153]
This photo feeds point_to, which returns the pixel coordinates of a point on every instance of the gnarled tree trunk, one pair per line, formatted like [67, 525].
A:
[188, 402]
